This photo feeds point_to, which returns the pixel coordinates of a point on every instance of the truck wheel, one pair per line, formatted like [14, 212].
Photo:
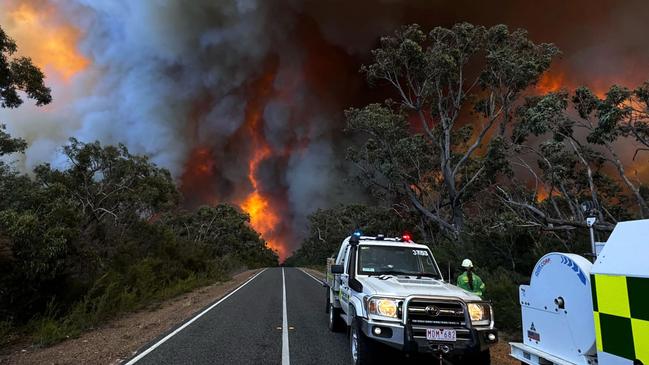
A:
[363, 350]
[328, 301]
[478, 358]
[335, 322]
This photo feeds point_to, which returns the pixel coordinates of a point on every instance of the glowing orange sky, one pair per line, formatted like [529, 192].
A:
[40, 35]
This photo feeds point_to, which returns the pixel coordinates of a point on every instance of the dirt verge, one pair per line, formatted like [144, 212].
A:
[119, 339]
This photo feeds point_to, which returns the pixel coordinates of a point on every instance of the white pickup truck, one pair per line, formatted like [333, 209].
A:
[390, 291]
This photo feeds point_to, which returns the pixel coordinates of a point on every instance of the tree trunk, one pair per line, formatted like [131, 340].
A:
[644, 208]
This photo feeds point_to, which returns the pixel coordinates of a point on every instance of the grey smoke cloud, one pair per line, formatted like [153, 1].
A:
[156, 59]
[168, 76]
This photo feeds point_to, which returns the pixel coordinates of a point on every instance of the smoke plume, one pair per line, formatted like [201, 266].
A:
[242, 100]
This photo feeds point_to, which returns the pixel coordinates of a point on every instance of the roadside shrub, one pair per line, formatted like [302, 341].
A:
[106, 236]
[145, 283]
[6, 331]
[502, 290]
[48, 331]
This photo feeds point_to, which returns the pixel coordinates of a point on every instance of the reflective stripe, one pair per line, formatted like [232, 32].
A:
[641, 339]
[621, 314]
[638, 297]
[617, 335]
[612, 295]
[598, 333]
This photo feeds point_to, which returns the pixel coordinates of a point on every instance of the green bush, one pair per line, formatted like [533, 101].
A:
[103, 236]
[93, 250]
[6, 332]
[145, 283]
[172, 269]
[502, 290]
[48, 331]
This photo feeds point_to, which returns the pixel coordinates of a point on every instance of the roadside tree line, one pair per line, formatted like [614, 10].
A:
[103, 234]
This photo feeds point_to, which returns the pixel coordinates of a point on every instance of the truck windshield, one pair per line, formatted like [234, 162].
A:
[393, 260]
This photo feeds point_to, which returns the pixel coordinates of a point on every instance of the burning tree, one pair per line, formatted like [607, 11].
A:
[458, 89]
[580, 160]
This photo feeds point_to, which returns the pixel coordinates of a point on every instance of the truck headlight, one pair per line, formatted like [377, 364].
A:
[385, 307]
[480, 313]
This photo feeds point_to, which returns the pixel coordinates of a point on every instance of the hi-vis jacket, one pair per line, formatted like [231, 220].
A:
[478, 284]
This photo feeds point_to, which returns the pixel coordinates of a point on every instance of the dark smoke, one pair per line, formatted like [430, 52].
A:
[171, 77]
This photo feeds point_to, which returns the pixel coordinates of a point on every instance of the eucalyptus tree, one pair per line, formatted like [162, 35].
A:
[19, 74]
[576, 144]
[620, 114]
[441, 138]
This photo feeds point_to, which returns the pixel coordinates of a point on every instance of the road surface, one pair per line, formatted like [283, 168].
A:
[276, 317]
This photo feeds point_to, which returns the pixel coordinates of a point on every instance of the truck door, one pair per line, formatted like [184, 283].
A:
[344, 282]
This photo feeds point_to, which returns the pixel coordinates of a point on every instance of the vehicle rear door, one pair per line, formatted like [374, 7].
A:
[344, 282]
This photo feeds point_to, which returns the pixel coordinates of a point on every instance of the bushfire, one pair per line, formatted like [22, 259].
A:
[244, 103]
[263, 216]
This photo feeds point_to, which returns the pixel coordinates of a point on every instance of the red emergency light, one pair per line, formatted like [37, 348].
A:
[406, 237]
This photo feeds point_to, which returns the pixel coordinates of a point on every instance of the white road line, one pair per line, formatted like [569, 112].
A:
[285, 354]
[143, 354]
[312, 277]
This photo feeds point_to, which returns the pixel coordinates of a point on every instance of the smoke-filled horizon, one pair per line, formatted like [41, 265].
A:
[242, 100]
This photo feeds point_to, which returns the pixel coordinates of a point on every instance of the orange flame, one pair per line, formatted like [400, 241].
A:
[550, 82]
[40, 35]
[555, 80]
[263, 216]
[199, 176]
[542, 194]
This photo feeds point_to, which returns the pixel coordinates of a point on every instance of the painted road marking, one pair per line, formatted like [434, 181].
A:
[285, 353]
[143, 354]
[313, 277]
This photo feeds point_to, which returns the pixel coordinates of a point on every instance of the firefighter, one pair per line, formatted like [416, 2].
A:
[469, 281]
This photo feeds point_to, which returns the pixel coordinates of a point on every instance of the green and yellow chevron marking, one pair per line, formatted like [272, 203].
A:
[621, 310]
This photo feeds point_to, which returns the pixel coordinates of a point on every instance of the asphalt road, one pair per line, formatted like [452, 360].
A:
[255, 325]
[247, 327]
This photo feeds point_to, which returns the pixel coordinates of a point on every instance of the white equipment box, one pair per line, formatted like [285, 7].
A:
[557, 312]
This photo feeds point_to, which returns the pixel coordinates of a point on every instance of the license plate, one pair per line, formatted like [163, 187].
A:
[441, 334]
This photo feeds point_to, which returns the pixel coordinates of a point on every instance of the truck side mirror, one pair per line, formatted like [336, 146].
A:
[337, 269]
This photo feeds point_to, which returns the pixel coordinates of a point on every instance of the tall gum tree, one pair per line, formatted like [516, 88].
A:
[441, 138]
[579, 158]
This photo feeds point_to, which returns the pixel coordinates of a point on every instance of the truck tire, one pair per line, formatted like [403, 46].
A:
[328, 300]
[478, 358]
[335, 321]
[362, 350]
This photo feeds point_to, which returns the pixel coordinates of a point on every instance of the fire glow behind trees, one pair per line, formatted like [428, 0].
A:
[243, 100]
